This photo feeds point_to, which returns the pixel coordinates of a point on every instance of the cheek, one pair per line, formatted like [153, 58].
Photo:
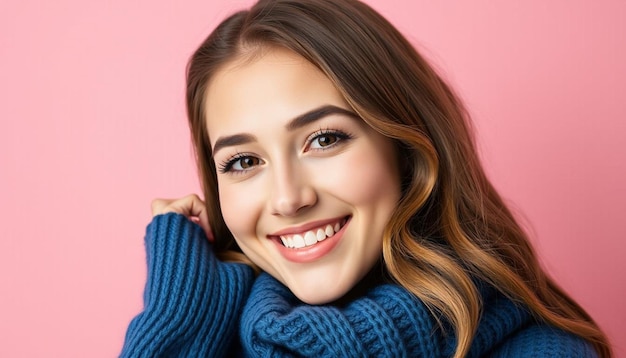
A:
[365, 176]
[239, 204]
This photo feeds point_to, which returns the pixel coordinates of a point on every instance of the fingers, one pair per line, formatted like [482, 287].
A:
[191, 206]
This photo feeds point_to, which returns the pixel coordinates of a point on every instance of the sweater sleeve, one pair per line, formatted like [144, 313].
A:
[387, 322]
[192, 301]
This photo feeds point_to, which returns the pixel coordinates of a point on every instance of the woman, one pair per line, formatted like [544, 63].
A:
[335, 160]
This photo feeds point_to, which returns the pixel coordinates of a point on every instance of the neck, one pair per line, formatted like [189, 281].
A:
[375, 277]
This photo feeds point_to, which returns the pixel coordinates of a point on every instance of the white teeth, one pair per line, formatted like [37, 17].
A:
[310, 238]
[329, 231]
[298, 241]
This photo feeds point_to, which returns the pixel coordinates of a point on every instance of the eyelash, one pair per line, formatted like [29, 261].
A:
[227, 165]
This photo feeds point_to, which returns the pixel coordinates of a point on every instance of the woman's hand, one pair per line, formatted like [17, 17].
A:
[190, 206]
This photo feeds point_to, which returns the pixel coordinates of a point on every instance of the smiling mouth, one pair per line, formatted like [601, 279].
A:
[313, 236]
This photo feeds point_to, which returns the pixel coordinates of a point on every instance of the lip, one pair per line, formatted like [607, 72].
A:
[305, 227]
[313, 252]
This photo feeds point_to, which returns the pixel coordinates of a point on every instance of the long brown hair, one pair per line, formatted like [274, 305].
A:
[451, 226]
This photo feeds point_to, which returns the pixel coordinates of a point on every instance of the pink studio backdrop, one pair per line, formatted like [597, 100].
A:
[92, 127]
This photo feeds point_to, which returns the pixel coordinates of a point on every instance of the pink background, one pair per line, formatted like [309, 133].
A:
[92, 127]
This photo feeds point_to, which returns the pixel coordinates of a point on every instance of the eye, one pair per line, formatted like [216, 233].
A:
[245, 163]
[326, 139]
[240, 163]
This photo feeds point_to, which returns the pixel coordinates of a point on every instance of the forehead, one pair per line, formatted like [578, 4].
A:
[273, 86]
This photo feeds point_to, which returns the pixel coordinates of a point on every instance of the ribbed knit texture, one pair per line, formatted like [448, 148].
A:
[387, 322]
[194, 307]
[390, 322]
[544, 341]
[191, 300]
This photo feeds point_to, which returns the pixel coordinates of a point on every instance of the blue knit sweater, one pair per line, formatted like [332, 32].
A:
[197, 306]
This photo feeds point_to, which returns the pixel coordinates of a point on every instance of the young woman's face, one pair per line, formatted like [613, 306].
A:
[305, 186]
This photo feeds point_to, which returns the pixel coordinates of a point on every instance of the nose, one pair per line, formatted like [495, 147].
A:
[292, 191]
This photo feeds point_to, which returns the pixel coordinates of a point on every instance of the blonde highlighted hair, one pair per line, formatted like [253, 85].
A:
[451, 226]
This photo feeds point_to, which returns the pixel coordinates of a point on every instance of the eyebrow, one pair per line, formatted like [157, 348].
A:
[316, 114]
[298, 122]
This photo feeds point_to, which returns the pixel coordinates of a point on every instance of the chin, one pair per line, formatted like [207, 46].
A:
[318, 298]
[319, 295]
[337, 289]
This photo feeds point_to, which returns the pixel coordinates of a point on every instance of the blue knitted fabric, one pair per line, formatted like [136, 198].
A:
[390, 322]
[387, 322]
[195, 306]
[191, 300]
